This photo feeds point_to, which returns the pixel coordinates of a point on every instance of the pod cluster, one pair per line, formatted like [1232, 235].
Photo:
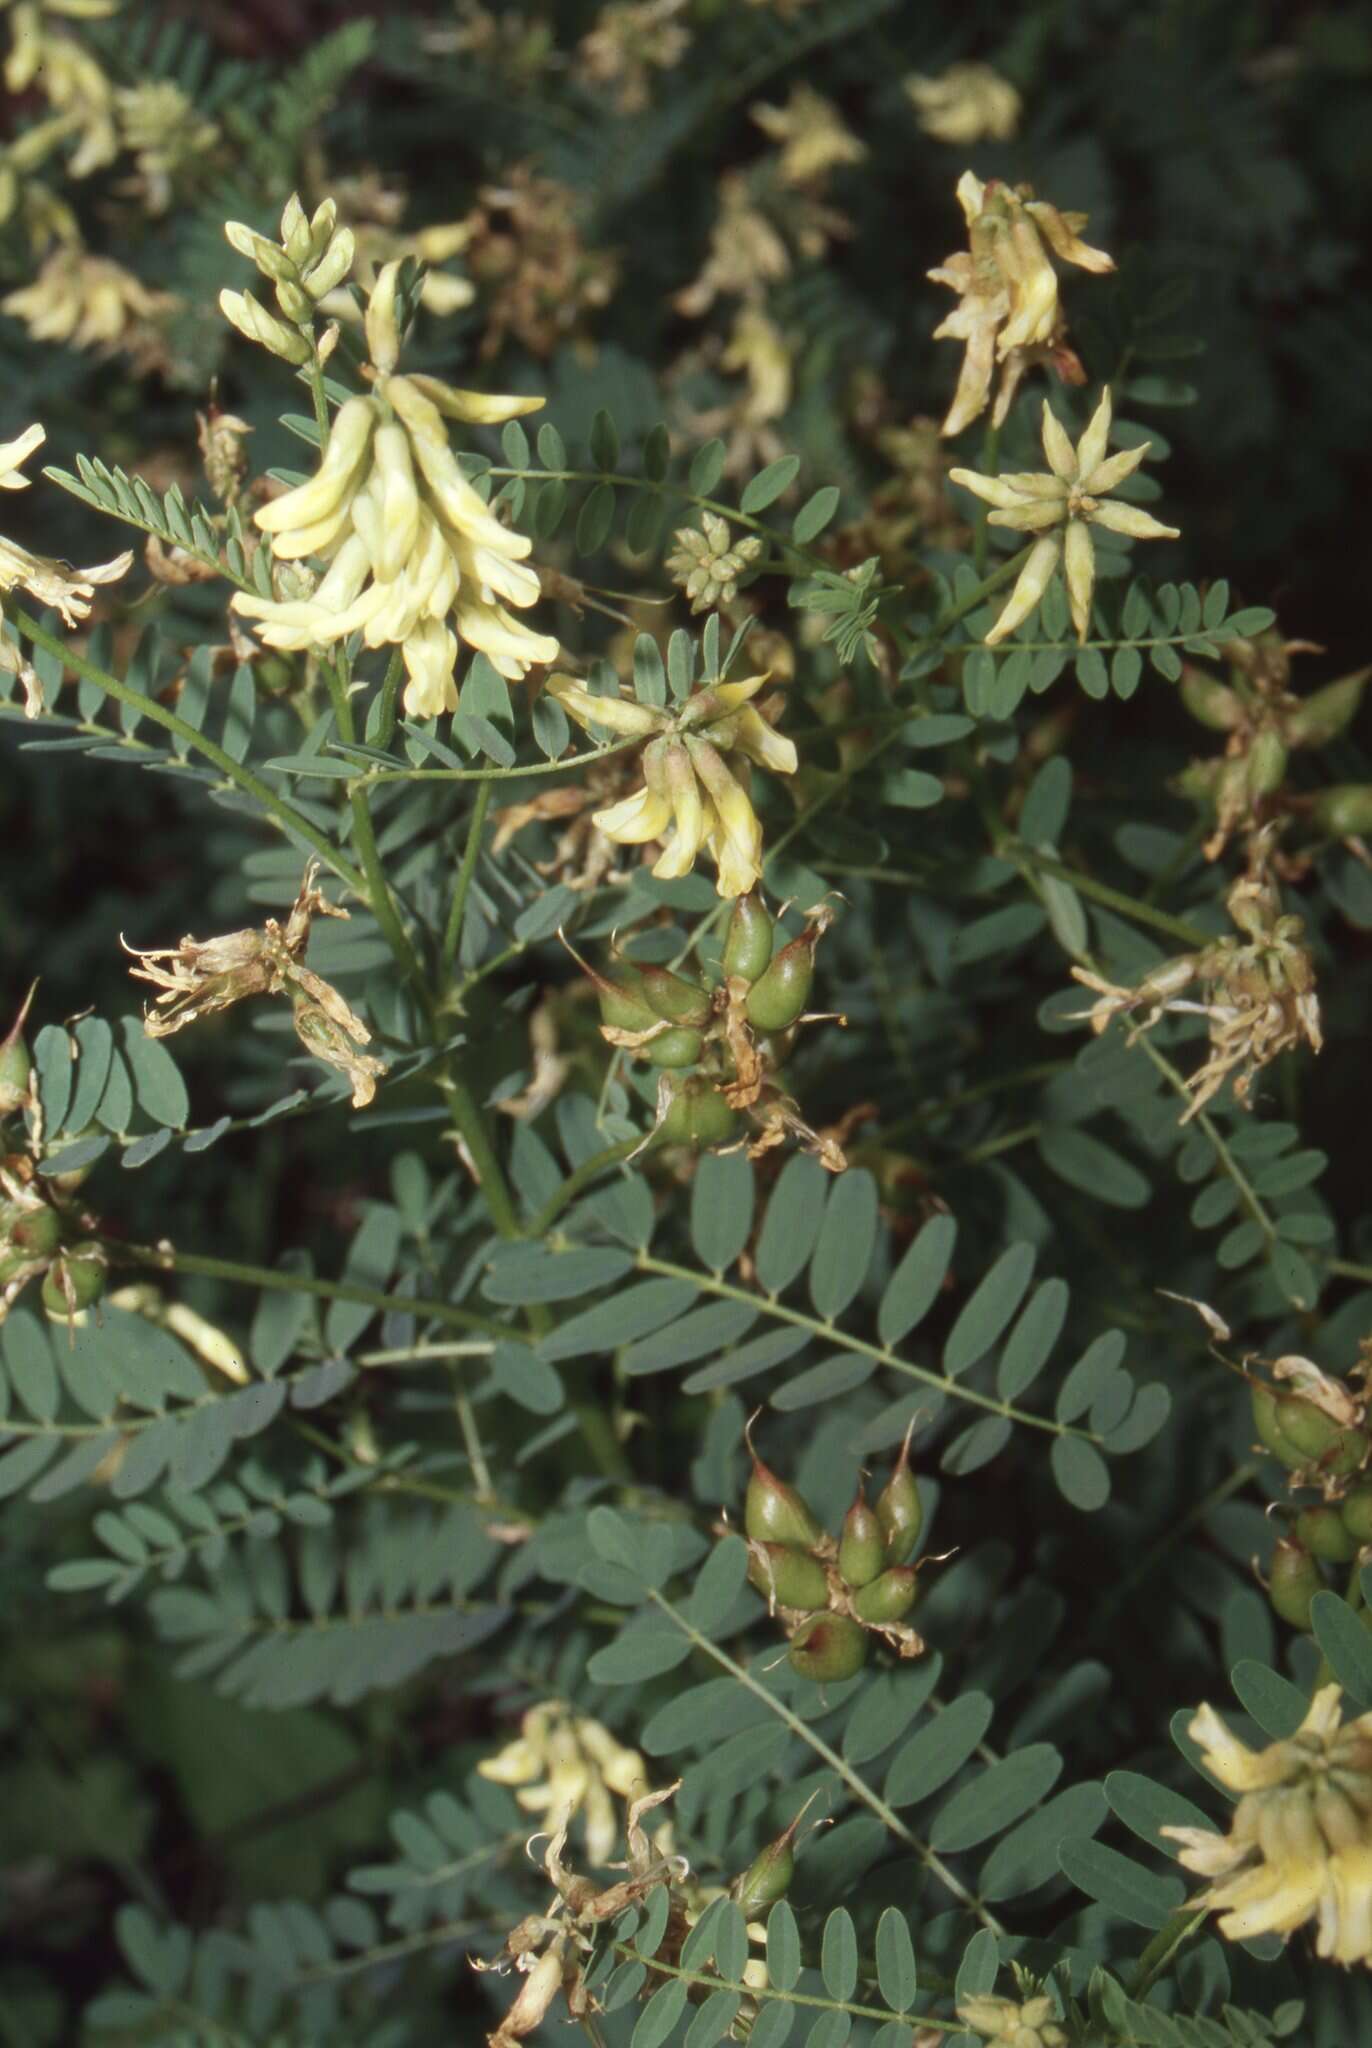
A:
[832, 1595]
[721, 1043]
[1322, 1450]
[42, 1237]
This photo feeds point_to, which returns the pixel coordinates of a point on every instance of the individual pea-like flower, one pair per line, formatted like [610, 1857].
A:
[1299, 1845]
[415, 557]
[563, 1763]
[1032, 2024]
[1008, 310]
[695, 776]
[55, 583]
[707, 562]
[1074, 497]
[966, 103]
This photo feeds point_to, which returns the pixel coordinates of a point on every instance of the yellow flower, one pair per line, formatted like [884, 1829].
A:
[694, 796]
[71, 80]
[563, 1763]
[968, 103]
[1075, 498]
[54, 583]
[1300, 1841]
[1030, 2025]
[415, 557]
[87, 301]
[812, 133]
[1008, 310]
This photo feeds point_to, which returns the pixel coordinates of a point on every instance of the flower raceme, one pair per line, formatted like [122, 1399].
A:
[54, 583]
[695, 776]
[1299, 1846]
[561, 1763]
[1073, 498]
[415, 557]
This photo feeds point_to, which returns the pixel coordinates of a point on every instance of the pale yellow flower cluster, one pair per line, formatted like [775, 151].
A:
[966, 103]
[563, 1763]
[1008, 312]
[86, 301]
[1032, 2024]
[54, 583]
[1299, 1846]
[415, 557]
[42, 55]
[694, 796]
[1074, 497]
[812, 136]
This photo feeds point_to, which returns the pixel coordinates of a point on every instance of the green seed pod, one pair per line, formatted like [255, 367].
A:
[890, 1597]
[15, 1064]
[36, 1232]
[1344, 811]
[672, 998]
[1323, 716]
[677, 1047]
[900, 1509]
[698, 1114]
[774, 1512]
[750, 938]
[861, 1544]
[1294, 1582]
[1266, 1422]
[1265, 767]
[1210, 701]
[1337, 1450]
[74, 1281]
[828, 1648]
[768, 1878]
[1199, 781]
[10, 1264]
[1356, 1510]
[1325, 1534]
[623, 1006]
[788, 1575]
[777, 998]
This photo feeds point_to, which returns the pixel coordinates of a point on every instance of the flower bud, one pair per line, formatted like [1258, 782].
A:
[1323, 716]
[768, 1878]
[1268, 1426]
[1294, 1582]
[383, 332]
[774, 1512]
[74, 1281]
[294, 301]
[333, 266]
[1324, 1534]
[1210, 701]
[778, 996]
[242, 311]
[1356, 1509]
[673, 998]
[675, 1048]
[295, 231]
[900, 1509]
[861, 1544]
[1345, 810]
[749, 939]
[828, 1648]
[787, 1576]
[890, 1597]
[697, 1114]
[1265, 766]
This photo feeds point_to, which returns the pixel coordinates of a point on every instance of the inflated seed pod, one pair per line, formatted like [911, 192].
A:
[35, 1232]
[1265, 769]
[11, 1262]
[1356, 1509]
[1268, 1426]
[828, 1648]
[1323, 716]
[777, 998]
[1325, 1534]
[74, 1281]
[15, 1064]
[768, 1878]
[1307, 1428]
[676, 1047]
[623, 1004]
[1345, 810]
[672, 997]
[749, 940]
[890, 1597]
[788, 1576]
[900, 1509]
[1209, 700]
[698, 1114]
[1294, 1581]
[861, 1543]
[774, 1512]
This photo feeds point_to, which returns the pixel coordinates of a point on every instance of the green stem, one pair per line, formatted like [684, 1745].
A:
[589, 1170]
[1189, 935]
[169, 1259]
[471, 1128]
[285, 814]
[1170, 1937]
[770, 1994]
[462, 886]
[390, 690]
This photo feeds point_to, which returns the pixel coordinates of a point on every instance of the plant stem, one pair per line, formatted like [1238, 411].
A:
[287, 817]
[1190, 935]
[166, 1258]
[582, 1176]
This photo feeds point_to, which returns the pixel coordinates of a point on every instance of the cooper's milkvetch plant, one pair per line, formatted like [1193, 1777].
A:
[655, 867]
